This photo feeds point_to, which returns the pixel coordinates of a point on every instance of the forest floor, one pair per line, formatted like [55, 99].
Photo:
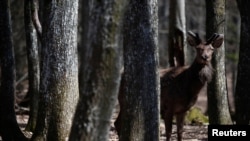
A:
[195, 132]
[192, 132]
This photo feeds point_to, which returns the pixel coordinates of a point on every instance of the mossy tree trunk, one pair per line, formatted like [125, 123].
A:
[100, 72]
[140, 116]
[218, 106]
[59, 71]
[9, 129]
[242, 97]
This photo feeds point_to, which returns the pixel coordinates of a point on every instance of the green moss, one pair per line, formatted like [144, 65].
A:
[195, 116]
[232, 56]
[219, 7]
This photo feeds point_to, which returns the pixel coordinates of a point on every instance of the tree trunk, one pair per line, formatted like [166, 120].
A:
[163, 16]
[18, 31]
[9, 129]
[84, 9]
[83, 33]
[33, 66]
[218, 107]
[59, 71]
[242, 97]
[101, 72]
[177, 33]
[140, 117]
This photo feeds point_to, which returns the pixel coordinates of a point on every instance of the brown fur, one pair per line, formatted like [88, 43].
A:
[180, 86]
[179, 91]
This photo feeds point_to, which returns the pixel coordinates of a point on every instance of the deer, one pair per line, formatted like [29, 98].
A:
[180, 86]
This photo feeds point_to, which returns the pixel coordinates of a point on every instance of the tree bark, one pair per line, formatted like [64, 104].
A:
[242, 98]
[9, 128]
[163, 16]
[59, 71]
[33, 66]
[84, 26]
[18, 35]
[84, 11]
[218, 107]
[101, 72]
[177, 33]
[140, 117]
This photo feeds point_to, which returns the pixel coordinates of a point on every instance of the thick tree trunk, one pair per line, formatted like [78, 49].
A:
[33, 66]
[140, 116]
[9, 129]
[100, 79]
[242, 97]
[218, 107]
[59, 71]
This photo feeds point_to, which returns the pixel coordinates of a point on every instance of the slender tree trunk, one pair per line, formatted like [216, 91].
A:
[84, 25]
[101, 72]
[18, 38]
[9, 128]
[242, 97]
[140, 117]
[163, 27]
[177, 33]
[59, 71]
[33, 65]
[218, 107]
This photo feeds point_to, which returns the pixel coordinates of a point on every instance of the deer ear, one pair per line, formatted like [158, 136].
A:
[193, 39]
[218, 41]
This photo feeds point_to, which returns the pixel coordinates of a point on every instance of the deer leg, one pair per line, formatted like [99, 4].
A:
[180, 121]
[168, 118]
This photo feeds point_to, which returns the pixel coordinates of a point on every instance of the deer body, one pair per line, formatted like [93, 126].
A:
[180, 86]
[170, 83]
[178, 95]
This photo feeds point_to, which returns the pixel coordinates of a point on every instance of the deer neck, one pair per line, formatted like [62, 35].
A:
[199, 75]
[201, 72]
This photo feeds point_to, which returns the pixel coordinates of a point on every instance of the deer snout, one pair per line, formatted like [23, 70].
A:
[205, 57]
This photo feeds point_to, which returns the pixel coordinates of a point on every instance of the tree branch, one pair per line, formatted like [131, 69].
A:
[35, 18]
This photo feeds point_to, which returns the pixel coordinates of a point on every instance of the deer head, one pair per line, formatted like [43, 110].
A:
[205, 49]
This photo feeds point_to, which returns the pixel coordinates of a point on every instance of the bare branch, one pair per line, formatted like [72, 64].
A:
[35, 18]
